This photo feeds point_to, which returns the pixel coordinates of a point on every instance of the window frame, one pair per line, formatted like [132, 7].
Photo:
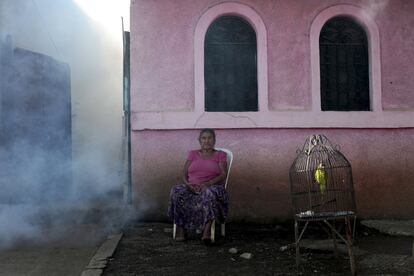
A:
[247, 13]
[374, 58]
[348, 104]
[227, 95]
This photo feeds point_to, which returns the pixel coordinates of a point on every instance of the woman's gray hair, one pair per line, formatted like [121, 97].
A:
[207, 130]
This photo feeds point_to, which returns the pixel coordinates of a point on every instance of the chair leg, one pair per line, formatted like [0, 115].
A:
[213, 230]
[223, 229]
[174, 230]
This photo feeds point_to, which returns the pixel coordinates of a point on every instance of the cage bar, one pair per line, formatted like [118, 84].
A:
[322, 190]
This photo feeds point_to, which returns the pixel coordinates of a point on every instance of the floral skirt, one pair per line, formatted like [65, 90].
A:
[192, 211]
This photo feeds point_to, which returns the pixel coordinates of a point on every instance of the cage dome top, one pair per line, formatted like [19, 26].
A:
[315, 141]
[319, 151]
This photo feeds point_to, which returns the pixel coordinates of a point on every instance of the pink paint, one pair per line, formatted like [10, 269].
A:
[382, 163]
[167, 40]
[168, 81]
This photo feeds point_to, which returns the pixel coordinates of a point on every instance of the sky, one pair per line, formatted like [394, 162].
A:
[107, 12]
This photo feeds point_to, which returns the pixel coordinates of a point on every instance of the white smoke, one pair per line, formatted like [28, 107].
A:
[15, 223]
[29, 201]
[374, 7]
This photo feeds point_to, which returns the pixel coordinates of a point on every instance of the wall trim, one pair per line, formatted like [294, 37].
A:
[251, 16]
[272, 119]
[374, 56]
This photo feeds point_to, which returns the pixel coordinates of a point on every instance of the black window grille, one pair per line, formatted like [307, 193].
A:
[230, 66]
[344, 66]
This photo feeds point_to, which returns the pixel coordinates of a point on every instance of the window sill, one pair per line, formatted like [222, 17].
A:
[272, 119]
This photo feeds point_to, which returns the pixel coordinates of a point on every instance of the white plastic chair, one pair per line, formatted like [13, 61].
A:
[213, 224]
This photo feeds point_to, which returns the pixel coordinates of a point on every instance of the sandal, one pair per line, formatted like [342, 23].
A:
[206, 241]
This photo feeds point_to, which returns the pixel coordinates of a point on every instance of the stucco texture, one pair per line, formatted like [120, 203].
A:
[382, 161]
[397, 40]
[162, 54]
[166, 112]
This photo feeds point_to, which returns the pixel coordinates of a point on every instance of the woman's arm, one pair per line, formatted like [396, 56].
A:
[221, 177]
[185, 172]
[185, 177]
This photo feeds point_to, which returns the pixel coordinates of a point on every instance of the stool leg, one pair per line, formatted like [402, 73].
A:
[349, 238]
[174, 230]
[335, 244]
[297, 244]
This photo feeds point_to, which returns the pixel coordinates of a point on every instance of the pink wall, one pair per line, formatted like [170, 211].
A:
[382, 161]
[162, 44]
[397, 55]
[166, 88]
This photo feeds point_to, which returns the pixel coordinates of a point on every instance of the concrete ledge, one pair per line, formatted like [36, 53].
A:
[100, 259]
[392, 227]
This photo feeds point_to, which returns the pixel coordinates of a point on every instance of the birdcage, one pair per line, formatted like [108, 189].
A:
[322, 191]
[321, 180]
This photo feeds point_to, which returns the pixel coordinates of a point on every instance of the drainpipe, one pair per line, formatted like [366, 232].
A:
[6, 54]
[127, 111]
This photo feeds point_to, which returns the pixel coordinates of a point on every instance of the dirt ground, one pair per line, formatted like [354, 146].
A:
[148, 249]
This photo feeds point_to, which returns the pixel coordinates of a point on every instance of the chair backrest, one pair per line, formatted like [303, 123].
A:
[229, 163]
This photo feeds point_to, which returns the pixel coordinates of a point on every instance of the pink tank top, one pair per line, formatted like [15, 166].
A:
[203, 169]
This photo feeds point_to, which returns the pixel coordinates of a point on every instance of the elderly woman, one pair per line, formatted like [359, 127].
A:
[202, 197]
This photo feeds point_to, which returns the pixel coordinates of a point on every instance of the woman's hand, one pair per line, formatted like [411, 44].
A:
[193, 187]
[197, 188]
[205, 185]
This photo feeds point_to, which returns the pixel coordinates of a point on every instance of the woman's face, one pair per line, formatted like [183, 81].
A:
[207, 141]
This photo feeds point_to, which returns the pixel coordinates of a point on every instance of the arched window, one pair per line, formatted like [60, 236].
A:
[230, 66]
[344, 66]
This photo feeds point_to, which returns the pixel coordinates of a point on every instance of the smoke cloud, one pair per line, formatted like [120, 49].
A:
[62, 144]
[374, 8]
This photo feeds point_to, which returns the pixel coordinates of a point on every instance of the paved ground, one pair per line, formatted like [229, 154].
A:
[147, 249]
[60, 241]
[66, 250]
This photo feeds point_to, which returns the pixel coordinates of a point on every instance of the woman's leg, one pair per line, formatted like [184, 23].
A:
[180, 234]
[185, 209]
[207, 230]
[215, 206]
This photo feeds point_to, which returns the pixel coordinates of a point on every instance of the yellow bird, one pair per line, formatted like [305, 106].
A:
[321, 178]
